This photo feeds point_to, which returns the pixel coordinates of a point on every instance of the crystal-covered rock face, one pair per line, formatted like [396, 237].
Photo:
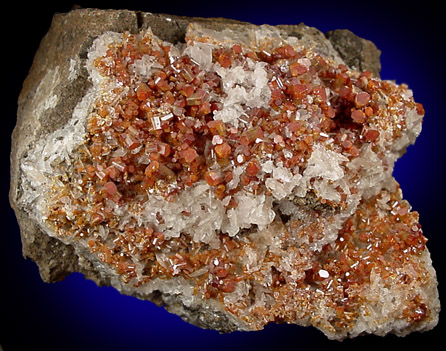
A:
[244, 173]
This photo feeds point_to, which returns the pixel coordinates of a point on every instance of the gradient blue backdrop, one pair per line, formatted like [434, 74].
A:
[76, 314]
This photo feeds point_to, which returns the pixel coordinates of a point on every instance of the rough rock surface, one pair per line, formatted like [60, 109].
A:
[356, 52]
[56, 86]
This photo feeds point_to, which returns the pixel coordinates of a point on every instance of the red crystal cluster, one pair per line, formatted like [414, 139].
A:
[158, 136]
[374, 245]
[171, 139]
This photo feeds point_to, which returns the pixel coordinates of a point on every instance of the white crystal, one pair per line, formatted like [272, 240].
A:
[282, 182]
[323, 273]
[244, 87]
[201, 53]
[325, 163]
[145, 67]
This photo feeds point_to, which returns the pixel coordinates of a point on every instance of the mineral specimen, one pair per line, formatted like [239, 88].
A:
[239, 177]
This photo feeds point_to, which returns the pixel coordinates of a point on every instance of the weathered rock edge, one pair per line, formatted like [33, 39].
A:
[64, 49]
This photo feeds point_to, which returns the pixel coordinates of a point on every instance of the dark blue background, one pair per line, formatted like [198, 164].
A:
[76, 314]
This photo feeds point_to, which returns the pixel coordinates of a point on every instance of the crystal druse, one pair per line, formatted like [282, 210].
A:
[237, 174]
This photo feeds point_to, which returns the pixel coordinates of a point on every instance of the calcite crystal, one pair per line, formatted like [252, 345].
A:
[237, 174]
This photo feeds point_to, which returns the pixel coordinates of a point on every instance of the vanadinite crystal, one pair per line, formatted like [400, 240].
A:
[242, 173]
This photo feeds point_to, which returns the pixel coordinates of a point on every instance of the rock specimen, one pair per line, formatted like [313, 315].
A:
[237, 174]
